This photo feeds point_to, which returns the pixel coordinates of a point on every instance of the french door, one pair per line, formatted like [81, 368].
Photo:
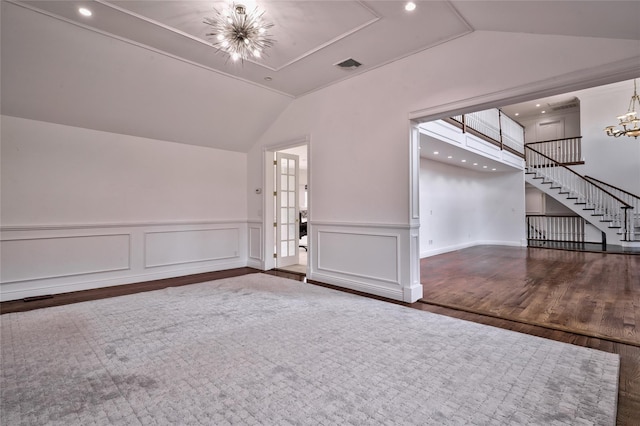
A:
[287, 211]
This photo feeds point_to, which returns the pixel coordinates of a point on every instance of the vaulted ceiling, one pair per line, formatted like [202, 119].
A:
[147, 68]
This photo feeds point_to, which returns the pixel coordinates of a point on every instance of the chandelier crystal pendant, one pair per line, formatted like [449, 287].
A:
[629, 124]
[240, 33]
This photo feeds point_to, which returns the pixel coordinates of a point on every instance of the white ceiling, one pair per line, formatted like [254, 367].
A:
[444, 152]
[312, 36]
[145, 68]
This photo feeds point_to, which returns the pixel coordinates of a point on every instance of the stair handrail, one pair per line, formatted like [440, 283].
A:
[552, 140]
[563, 150]
[612, 186]
[625, 224]
[631, 198]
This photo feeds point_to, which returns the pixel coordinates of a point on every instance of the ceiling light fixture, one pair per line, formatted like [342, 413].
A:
[629, 121]
[436, 152]
[450, 156]
[85, 12]
[240, 33]
[410, 6]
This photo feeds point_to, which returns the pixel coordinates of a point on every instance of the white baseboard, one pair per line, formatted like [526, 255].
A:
[378, 290]
[42, 288]
[447, 249]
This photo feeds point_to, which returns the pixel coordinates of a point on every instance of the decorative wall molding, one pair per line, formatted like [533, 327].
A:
[368, 244]
[50, 259]
[255, 245]
[365, 225]
[176, 247]
[43, 227]
[26, 259]
[372, 258]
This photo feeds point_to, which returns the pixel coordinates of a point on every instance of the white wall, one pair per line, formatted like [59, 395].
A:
[83, 208]
[360, 156]
[570, 122]
[613, 160]
[461, 208]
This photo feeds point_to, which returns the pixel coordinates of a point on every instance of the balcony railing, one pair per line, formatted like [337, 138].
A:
[567, 151]
[493, 126]
[556, 228]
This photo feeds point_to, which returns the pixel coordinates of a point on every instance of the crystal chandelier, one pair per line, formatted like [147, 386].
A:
[240, 33]
[629, 122]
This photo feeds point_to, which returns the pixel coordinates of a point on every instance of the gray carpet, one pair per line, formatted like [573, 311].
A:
[265, 350]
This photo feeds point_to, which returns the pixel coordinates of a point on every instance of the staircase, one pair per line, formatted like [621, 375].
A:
[611, 210]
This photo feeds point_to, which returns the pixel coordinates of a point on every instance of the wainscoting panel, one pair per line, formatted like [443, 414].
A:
[37, 258]
[178, 247]
[52, 259]
[255, 245]
[372, 258]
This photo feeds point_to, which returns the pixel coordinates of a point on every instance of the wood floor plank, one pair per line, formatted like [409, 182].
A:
[596, 294]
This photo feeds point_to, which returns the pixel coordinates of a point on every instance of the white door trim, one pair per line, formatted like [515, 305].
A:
[267, 198]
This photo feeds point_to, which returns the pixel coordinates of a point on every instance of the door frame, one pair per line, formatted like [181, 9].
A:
[268, 204]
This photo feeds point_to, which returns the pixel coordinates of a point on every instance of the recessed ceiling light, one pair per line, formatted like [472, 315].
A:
[267, 78]
[84, 11]
[517, 114]
[450, 156]
[475, 164]
[493, 170]
[436, 152]
[537, 105]
[464, 161]
[484, 167]
[544, 112]
[410, 6]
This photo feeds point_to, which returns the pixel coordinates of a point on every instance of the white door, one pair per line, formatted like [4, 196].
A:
[551, 130]
[287, 220]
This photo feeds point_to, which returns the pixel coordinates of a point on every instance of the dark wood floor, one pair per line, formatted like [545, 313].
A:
[586, 299]
[629, 389]
[594, 294]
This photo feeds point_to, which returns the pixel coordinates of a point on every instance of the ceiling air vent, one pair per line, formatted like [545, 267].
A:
[348, 64]
[568, 104]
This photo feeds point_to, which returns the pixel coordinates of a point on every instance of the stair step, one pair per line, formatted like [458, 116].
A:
[580, 204]
[588, 208]
[574, 198]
